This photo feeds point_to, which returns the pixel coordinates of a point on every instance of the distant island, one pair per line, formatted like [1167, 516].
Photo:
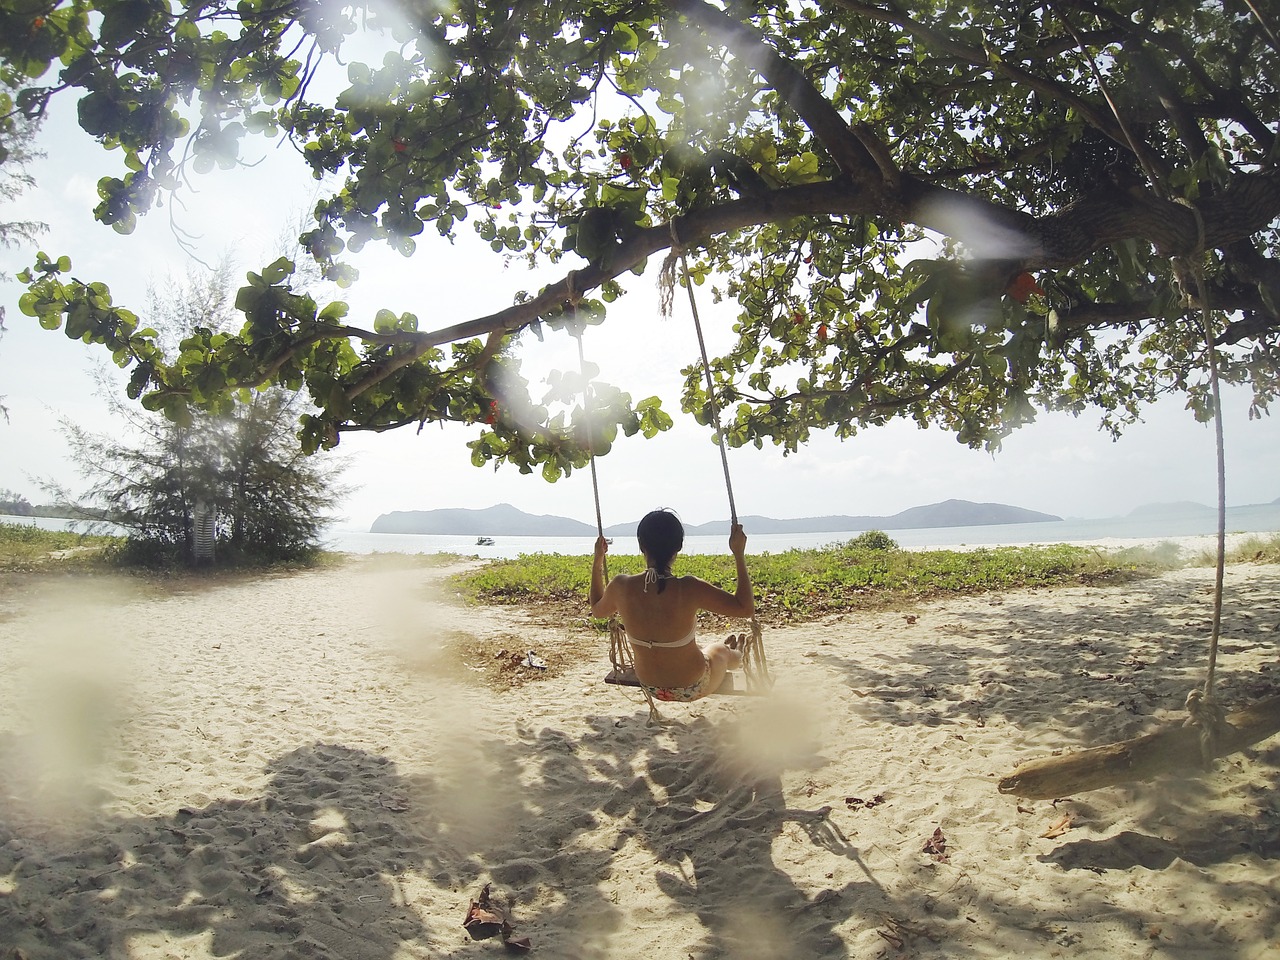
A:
[506, 520]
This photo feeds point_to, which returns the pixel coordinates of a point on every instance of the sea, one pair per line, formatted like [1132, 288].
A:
[1144, 527]
[1258, 518]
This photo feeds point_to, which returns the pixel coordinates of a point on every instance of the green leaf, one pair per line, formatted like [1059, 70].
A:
[333, 312]
[277, 270]
[626, 37]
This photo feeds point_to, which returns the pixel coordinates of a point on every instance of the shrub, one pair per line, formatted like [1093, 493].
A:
[872, 540]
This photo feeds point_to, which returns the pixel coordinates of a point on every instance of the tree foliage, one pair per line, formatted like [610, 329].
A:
[152, 475]
[15, 504]
[16, 135]
[268, 499]
[1067, 156]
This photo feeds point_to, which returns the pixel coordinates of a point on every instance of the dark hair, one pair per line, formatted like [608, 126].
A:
[661, 535]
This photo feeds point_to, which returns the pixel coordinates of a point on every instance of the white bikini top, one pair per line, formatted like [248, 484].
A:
[693, 631]
[653, 576]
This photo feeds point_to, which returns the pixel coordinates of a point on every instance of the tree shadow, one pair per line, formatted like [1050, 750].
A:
[713, 839]
[1229, 837]
[335, 856]
[269, 877]
[1089, 676]
[320, 864]
[1090, 673]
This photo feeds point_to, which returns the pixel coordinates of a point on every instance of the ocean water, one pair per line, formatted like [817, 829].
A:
[1261, 518]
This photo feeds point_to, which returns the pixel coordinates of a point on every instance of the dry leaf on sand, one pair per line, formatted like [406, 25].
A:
[484, 920]
[936, 846]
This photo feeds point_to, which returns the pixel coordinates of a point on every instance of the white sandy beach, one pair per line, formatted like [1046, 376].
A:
[333, 763]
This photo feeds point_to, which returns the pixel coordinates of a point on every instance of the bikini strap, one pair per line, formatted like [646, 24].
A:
[651, 575]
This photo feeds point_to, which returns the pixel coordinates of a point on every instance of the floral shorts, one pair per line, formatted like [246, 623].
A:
[694, 691]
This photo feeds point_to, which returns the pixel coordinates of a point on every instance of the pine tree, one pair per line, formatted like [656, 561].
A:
[155, 475]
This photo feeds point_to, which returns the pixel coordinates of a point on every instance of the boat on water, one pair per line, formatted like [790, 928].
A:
[484, 541]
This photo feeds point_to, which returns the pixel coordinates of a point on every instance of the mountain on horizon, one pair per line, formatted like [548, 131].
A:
[500, 520]
[506, 520]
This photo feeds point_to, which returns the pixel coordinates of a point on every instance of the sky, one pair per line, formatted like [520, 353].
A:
[1060, 465]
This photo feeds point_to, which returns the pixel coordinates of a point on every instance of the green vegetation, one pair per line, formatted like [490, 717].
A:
[800, 585]
[238, 469]
[867, 573]
[23, 546]
[798, 152]
[1253, 549]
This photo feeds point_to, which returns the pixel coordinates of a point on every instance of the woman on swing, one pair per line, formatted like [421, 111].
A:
[660, 611]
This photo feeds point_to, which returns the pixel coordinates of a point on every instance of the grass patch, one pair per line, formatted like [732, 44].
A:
[1256, 548]
[803, 585]
[24, 546]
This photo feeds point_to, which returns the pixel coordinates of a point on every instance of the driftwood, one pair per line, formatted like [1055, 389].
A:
[1172, 750]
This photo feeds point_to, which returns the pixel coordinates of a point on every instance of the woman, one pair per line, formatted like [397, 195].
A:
[660, 611]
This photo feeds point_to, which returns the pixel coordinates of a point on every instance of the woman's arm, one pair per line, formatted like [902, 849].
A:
[602, 602]
[740, 603]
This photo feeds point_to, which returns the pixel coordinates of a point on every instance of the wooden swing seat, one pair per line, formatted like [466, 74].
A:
[627, 678]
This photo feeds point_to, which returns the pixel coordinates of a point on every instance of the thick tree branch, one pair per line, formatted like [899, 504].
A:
[1248, 204]
[808, 200]
[1184, 120]
[1008, 240]
[1083, 317]
[826, 123]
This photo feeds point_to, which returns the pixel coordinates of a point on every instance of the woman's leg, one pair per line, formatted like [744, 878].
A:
[722, 658]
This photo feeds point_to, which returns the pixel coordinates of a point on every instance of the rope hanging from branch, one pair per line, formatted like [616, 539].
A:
[1202, 705]
[1188, 270]
[1114, 764]
[619, 649]
[755, 665]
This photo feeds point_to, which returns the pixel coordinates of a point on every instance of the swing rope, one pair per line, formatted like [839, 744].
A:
[1203, 709]
[755, 665]
[1202, 706]
[619, 649]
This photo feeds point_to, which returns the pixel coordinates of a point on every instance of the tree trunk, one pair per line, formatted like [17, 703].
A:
[1175, 749]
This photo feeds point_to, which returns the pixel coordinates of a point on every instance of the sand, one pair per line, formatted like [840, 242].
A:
[334, 763]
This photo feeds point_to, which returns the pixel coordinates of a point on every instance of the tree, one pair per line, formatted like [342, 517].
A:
[15, 504]
[268, 499]
[245, 465]
[16, 136]
[1095, 172]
